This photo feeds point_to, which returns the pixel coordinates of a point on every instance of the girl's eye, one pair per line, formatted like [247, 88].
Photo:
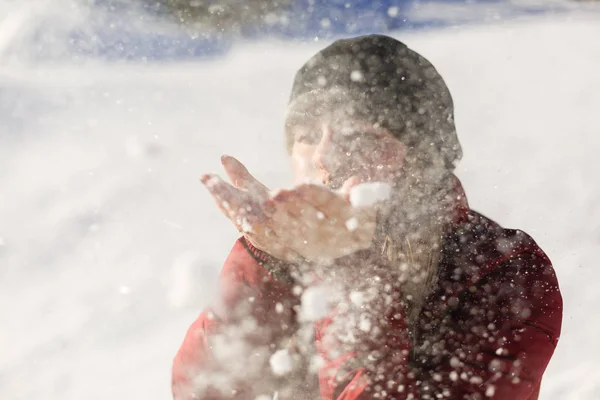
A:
[360, 136]
[306, 137]
[352, 136]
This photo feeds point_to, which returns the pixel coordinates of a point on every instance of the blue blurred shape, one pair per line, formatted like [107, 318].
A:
[124, 30]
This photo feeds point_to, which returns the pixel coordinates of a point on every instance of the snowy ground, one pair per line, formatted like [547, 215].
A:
[109, 246]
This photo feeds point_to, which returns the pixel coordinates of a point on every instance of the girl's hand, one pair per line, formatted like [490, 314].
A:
[307, 222]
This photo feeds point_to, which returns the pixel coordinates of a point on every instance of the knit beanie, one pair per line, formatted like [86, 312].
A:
[378, 79]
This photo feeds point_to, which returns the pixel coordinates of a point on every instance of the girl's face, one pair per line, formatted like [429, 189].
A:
[330, 153]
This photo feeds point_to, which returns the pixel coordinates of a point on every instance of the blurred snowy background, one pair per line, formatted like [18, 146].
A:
[109, 112]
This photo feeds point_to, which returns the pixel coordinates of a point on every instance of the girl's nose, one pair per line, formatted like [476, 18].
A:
[324, 155]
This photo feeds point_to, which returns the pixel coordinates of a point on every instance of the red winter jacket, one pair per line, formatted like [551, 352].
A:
[488, 329]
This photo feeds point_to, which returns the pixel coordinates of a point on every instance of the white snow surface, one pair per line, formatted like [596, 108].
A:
[110, 246]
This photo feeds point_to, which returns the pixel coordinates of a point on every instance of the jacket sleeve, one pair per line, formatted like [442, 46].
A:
[207, 365]
[495, 341]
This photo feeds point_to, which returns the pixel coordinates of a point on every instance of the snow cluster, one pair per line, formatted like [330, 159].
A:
[367, 194]
[314, 303]
[281, 362]
[352, 224]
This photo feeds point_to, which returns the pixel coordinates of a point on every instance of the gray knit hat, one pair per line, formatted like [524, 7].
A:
[379, 79]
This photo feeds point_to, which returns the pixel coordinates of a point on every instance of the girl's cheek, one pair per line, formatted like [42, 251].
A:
[392, 157]
[303, 169]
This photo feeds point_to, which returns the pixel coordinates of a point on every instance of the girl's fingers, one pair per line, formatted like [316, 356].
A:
[307, 226]
[336, 217]
[235, 170]
[234, 203]
[241, 178]
[309, 220]
[332, 204]
[220, 190]
[296, 212]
